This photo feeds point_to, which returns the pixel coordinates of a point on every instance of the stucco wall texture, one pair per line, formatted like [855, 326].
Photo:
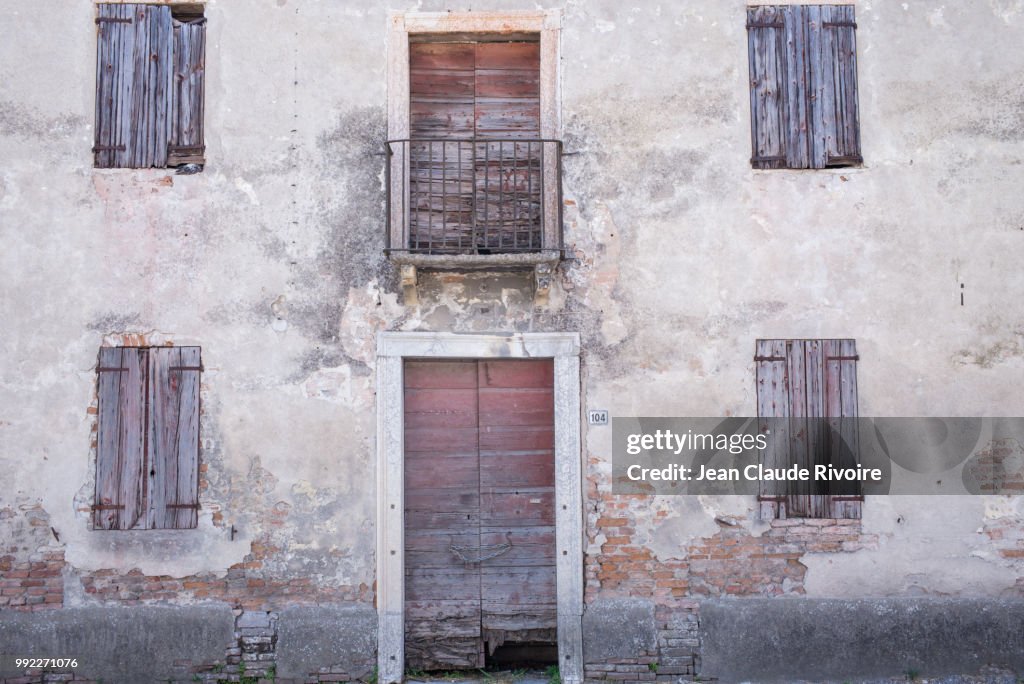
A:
[272, 261]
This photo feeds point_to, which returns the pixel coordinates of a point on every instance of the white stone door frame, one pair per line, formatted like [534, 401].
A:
[392, 350]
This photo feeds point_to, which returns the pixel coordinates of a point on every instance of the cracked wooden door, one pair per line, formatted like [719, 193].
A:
[479, 511]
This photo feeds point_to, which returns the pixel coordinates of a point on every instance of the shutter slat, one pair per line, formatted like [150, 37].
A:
[817, 446]
[173, 437]
[796, 87]
[848, 417]
[815, 87]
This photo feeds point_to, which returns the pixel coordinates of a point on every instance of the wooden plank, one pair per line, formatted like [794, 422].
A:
[432, 548]
[441, 374]
[425, 619]
[448, 85]
[513, 507]
[516, 373]
[849, 429]
[517, 468]
[523, 55]
[433, 408]
[772, 405]
[795, 100]
[798, 503]
[520, 618]
[457, 582]
[816, 91]
[528, 546]
[432, 509]
[457, 440]
[495, 437]
[441, 470]
[507, 83]
[447, 56]
[517, 586]
[516, 406]
[817, 447]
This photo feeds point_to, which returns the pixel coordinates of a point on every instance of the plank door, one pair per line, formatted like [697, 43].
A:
[479, 512]
[467, 195]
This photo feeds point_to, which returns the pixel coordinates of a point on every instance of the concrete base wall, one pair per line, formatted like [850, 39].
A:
[119, 645]
[766, 640]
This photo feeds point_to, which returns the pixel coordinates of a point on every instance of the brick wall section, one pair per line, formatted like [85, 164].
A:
[245, 586]
[31, 560]
[733, 562]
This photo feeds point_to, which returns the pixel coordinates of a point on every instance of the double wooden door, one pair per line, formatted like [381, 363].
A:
[479, 509]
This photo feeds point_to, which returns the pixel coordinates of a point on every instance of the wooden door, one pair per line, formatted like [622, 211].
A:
[480, 509]
[466, 194]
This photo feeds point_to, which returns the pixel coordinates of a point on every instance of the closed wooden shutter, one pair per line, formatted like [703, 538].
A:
[188, 93]
[133, 81]
[120, 445]
[173, 442]
[147, 447]
[811, 385]
[803, 86]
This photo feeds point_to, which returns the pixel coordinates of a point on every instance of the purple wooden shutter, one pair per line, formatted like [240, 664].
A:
[188, 93]
[766, 52]
[173, 441]
[118, 502]
[133, 78]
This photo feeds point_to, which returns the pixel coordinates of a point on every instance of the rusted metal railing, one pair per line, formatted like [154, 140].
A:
[473, 196]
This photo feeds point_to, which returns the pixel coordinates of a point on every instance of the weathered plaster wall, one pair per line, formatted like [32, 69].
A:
[271, 260]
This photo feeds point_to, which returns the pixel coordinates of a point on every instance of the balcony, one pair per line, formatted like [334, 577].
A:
[475, 203]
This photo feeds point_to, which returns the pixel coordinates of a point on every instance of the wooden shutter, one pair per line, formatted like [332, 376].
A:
[812, 386]
[173, 440]
[133, 85]
[120, 450]
[769, 122]
[188, 93]
[803, 86]
[834, 83]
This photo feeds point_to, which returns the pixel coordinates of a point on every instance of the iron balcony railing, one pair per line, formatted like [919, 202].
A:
[473, 196]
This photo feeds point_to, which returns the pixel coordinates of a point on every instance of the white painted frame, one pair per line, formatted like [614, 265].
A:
[392, 350]
[547, 23]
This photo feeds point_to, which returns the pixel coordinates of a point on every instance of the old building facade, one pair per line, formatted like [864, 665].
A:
[293, 384]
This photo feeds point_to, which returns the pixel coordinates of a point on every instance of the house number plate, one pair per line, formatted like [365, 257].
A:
[597, 417]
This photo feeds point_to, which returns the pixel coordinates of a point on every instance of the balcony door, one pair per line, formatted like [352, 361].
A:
[475, 153]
